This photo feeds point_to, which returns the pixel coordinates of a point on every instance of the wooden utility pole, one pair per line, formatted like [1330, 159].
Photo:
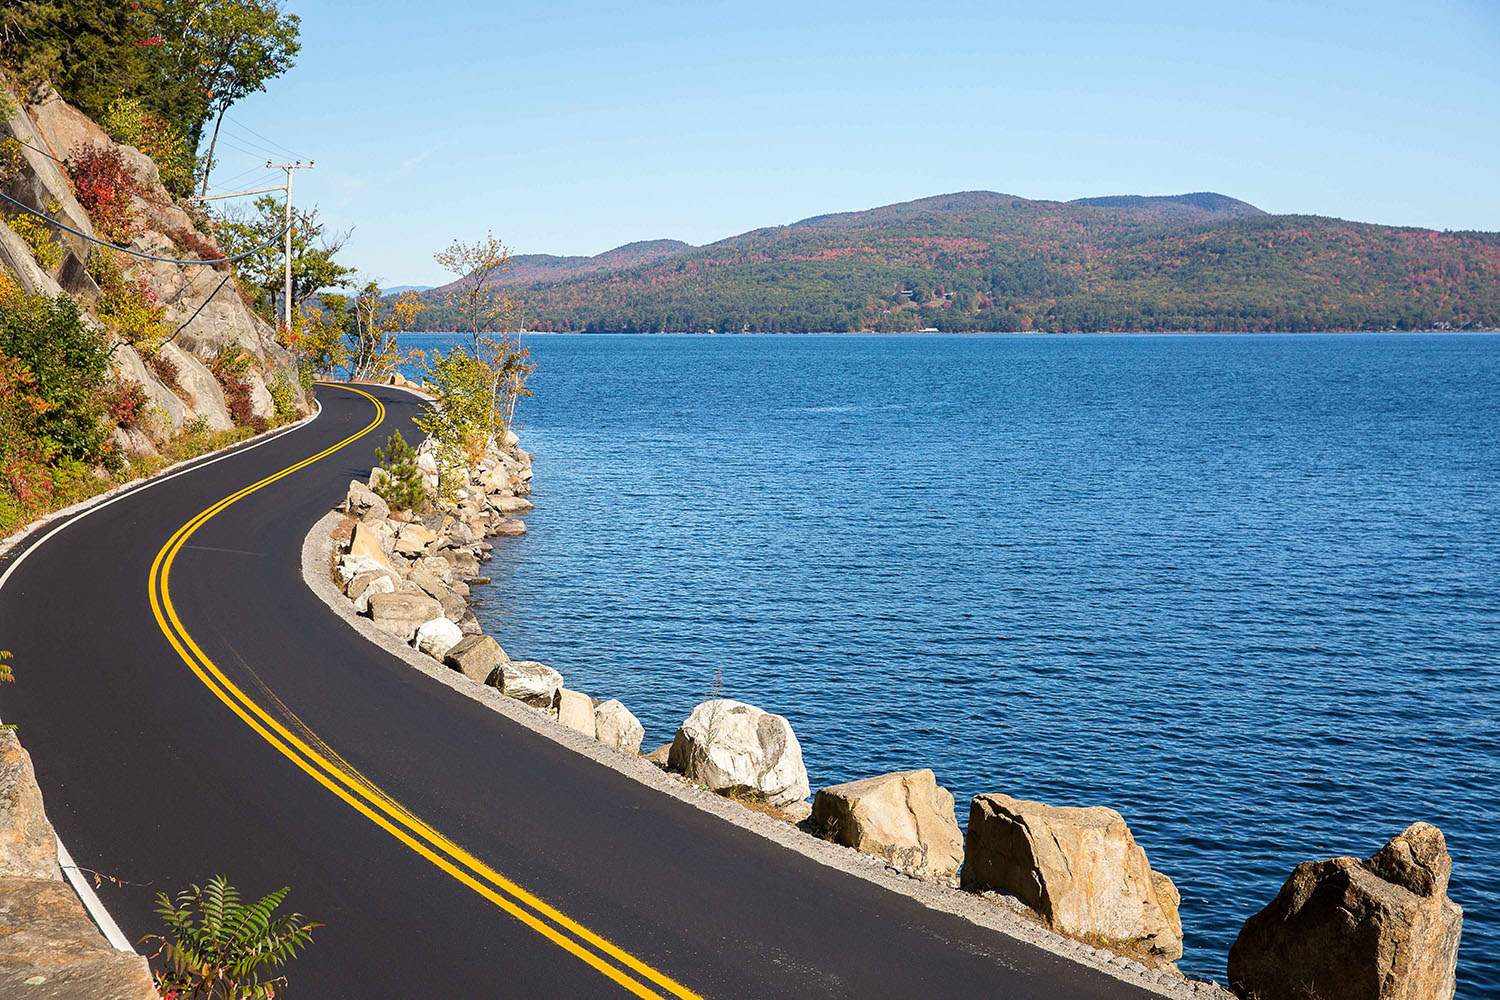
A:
[286, 310]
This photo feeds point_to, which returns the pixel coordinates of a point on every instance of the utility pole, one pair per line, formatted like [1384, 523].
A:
[287, 187]
[288, 167]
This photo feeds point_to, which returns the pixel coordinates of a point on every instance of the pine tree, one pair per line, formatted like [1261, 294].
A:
[401, 486]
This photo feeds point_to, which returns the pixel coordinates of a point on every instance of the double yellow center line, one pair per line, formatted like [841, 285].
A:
[365, 797]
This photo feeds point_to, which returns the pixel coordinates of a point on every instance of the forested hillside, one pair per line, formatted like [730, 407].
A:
[986, 261]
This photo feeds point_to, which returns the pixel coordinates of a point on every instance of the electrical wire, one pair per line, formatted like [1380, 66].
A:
[136, 253]
[242, 126]
[38, 149]
[200, 308]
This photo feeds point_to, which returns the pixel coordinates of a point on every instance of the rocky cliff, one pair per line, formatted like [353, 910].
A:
[42, 137]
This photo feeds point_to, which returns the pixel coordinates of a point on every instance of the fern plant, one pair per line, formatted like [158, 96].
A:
[401, 486]
[218, 947]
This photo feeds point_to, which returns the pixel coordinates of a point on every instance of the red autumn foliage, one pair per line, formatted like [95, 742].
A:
[103, 184]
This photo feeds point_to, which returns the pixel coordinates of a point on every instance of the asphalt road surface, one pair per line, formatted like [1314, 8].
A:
[449, 852]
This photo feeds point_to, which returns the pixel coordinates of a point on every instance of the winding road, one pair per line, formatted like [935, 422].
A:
[193, 708]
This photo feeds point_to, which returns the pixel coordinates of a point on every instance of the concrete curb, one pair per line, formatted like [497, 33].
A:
[317, 548]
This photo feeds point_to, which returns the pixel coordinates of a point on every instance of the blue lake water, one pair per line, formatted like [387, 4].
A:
[1242, 589]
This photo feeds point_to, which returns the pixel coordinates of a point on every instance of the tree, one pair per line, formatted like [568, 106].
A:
[313, 251]
[498, 375]
[372, 351]
[220, 52]
[401, 485]
[218, 947]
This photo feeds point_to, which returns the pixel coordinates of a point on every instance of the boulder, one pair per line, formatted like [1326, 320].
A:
[413, 540]
[727, 744]
[430, 584]
[367, 585]
[468, 624]
[1346, 929]
[906, 818]
[454, 607]
[508, 527]
[351, 566]
[661, 756]
[616, 726]
[365, 543]
[529, 681]
[1079, 868]
[476, 657]
[363, 502]
[51, 950]
[510, 505]
[28, 847]
[402, 614]
[436, 637]
[439, 567]
[576, 711]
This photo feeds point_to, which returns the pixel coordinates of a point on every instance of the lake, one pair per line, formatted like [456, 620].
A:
[1242, 589]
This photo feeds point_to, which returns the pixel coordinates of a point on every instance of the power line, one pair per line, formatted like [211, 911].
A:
[136, 253]
[246, 128]
[200, 307]
[38, 149]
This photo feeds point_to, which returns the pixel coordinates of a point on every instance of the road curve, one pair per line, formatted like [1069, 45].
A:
[152, 779]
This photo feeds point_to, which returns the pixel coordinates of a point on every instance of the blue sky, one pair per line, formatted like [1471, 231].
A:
[572, 127]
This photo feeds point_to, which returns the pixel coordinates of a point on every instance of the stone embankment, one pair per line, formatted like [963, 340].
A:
[49, 948]
[1381, 929]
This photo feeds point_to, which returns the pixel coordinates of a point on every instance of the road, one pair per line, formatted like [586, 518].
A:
[571, 879]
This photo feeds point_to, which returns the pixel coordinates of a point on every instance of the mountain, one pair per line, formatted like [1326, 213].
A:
[399, 289]
[978, 260]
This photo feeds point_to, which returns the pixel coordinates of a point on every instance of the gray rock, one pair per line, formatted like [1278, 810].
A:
[28, 847]
[454, 607]
[362, 502]
[367, 585]
[661, 756]
[51, 950]
[468, 624]
[402, 614]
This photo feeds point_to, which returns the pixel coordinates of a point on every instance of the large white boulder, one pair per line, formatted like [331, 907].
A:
[726, 744]
[616, 726]
[529, 681]
[437, 636]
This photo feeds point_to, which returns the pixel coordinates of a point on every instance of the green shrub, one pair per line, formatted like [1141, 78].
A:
[401, 486]
[128, 121]
[68, 363]
[283, 397]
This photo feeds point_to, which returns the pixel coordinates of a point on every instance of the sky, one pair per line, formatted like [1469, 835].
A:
[570, 127]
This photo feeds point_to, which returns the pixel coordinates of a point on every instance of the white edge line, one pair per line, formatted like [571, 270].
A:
[98, 503]
[91, 901]
[86, 894]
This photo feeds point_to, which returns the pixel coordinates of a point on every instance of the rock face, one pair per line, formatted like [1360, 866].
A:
[1345, 929]
[28, 847]
[905, 817]
[1079, 868]
[616, 726]
[402, 614]
[529, 681]
[49, 947]
[727, 744]
[476, 657]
